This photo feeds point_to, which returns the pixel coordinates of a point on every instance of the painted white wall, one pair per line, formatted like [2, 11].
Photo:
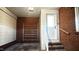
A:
[7, 27]
[7, 34]
[44, 37]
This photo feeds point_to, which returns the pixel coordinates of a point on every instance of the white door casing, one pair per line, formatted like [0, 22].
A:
[44, 36]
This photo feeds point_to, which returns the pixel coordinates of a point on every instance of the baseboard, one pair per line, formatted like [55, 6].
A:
[3, 47]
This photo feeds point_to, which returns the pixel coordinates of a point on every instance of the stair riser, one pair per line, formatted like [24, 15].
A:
[54, 44]
[55, 48]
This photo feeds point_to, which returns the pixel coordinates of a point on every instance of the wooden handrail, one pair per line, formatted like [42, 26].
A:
[66, 32]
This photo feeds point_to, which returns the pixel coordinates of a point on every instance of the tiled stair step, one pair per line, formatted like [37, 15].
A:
[57, 50]
[56, 46]
[54, 43]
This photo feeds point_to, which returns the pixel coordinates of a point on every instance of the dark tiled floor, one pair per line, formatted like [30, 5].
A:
[24, 47]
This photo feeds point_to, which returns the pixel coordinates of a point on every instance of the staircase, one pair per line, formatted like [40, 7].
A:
[30, 33]
[55, 47]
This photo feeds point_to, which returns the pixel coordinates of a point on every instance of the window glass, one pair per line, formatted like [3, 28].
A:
[51, 26]
[77, 19]
[51, 20]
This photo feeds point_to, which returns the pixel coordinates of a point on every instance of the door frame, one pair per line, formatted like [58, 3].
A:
[58, 31]
[44, 40]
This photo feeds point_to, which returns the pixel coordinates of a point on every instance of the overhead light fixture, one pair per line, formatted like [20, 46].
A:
[30, 9]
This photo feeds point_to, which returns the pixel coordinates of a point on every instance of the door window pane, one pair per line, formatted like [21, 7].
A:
[51, 20]
[52, 26]
[77, 19]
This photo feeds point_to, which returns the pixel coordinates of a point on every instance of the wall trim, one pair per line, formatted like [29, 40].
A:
[8, 12]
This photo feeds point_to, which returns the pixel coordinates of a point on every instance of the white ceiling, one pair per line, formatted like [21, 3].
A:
[23, 11]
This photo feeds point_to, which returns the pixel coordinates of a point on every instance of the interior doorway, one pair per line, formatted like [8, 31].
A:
[49, 27]
[52, 27]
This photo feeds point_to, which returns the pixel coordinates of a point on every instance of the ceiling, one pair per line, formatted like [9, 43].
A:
[24, 12]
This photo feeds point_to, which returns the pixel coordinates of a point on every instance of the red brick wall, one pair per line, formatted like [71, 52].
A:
[67, 22]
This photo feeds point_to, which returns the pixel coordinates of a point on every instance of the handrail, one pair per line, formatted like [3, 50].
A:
[66, 32]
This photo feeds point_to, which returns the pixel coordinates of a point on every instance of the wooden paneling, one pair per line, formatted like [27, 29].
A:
[67, 22]
[19, 30]
[28, 29]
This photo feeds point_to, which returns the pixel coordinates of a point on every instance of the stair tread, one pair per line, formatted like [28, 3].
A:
[56, 46]
[50, 43]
